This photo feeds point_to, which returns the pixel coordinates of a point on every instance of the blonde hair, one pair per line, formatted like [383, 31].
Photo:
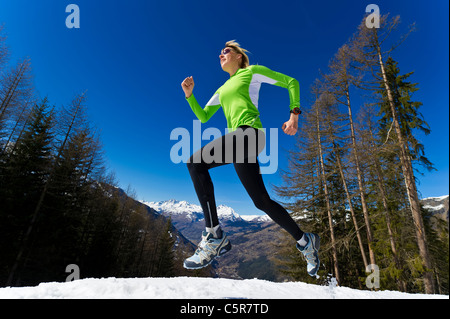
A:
[237, 47]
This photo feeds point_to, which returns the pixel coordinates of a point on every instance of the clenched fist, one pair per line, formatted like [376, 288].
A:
[188, 86]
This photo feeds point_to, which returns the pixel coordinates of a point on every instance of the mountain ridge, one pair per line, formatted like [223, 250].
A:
[224, 212]
[252, 236]
[437, 206]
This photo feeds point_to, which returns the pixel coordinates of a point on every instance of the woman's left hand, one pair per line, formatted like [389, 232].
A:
[290, 127]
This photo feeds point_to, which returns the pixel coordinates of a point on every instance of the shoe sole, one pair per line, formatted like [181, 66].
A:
[316, 242]
[316, 245]
[224, 249]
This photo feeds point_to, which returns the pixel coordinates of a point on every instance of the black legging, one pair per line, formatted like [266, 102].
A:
[241, 148]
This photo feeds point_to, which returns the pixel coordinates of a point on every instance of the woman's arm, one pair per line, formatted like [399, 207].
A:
[202, 114]
[266, 75]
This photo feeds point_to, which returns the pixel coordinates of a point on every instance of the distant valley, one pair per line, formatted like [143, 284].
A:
[253, 237]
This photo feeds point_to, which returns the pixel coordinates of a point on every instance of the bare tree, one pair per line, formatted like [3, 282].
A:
[340, 79]
[16, 90]
[317, 107]
[4, 52]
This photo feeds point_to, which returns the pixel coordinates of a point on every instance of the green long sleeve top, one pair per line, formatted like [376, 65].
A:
[239, 95]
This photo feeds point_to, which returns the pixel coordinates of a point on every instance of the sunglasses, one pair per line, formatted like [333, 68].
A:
[226, 51]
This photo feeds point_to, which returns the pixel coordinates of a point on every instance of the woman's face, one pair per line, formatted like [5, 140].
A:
[229, 58]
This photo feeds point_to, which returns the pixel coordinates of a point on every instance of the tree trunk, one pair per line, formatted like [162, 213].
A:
[360, 182]
[352, 211]
[327, 200]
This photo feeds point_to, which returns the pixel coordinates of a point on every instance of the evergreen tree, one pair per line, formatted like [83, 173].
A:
[409, 117]
[25, 173]
[165, 256]
[404, 115]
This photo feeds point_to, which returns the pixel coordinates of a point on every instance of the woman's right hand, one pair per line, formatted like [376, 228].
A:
[188, 86]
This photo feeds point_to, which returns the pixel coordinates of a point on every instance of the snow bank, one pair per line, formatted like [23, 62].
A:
[195, 288]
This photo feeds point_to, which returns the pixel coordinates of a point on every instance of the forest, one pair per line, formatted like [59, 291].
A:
[59, 205]
[352, 177]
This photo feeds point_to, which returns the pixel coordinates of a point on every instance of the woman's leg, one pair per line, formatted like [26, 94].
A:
[233, 147]
[209, 156]
[204, 188]
[252, 180]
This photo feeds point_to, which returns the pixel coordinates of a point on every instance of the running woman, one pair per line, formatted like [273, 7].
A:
[238, 97]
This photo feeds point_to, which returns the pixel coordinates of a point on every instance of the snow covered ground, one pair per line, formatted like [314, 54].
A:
[195, 288]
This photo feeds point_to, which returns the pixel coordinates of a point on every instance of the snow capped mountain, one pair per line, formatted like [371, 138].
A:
[439, 198]
[257, 218]
[175, 207]
[227, 213]
[195, 213]
[438, 206]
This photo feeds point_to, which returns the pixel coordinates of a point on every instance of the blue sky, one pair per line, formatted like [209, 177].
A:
[131, 57]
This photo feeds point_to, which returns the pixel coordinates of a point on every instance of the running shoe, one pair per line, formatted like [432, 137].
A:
[310, 253]
[208, 249]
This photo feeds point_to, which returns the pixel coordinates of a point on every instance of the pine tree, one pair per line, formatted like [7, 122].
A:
[165, 256]
[404, 115]
[409, 117]
[67, 204]
[438, 242]
[26, 172]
